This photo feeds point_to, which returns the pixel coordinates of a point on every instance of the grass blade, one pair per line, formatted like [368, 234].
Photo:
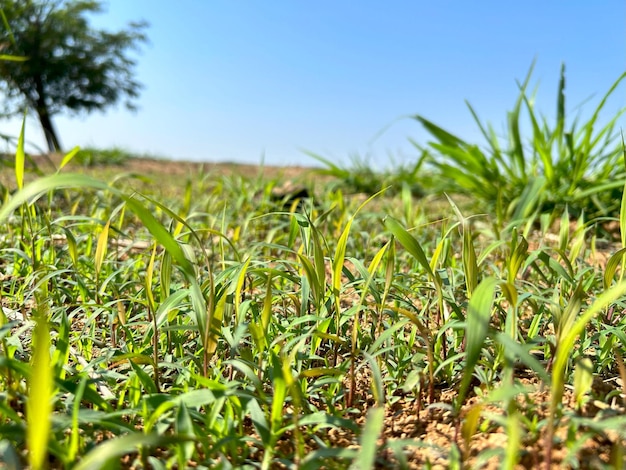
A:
[477, 325]
[39, 405]
[68, 157]
[101, 248]
[409, 242]
[374, 425]
[20, 157]
[107, 454]
[470, 266]
[568, 338]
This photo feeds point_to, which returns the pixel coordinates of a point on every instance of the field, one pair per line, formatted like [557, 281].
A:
[467, 311]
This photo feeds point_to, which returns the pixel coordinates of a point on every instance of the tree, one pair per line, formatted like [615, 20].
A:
[70, 66]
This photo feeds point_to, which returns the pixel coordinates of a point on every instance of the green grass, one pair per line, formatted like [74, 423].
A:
[572, 163]
[208, 325]
[361, 177]
[92, 156]
[568, 162]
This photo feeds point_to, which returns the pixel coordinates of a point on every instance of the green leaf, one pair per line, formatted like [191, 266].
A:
[146, 381]
[470, 266]
[378, 388]
[514, 349]
[566, 342]
[311, 275]
[517, 256]
[215, 325]
[184, 428]
[409, 242]
[8, 456]
[148, 278]
[340, 250]
[477, 325]
[442, 135]
[374, 424]
[73, 447]
[107, 454]
[169, 305]
[611, 266]
[514, 435]
[36, 189]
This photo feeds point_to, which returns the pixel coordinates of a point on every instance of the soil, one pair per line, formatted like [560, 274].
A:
[154, 166]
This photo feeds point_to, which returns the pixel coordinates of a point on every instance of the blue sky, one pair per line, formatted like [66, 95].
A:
[233, 80]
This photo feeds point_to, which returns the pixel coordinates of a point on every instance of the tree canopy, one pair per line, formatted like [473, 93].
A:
[70, 67]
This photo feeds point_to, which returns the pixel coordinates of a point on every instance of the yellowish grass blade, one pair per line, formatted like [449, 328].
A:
[239, 287]
[165, 275]
[583, 379]
[266, 314]
[101, 248]
[149, 276]
[612, 265]
[470, 425]
[20, 157]
[39, 406]
[14, 58]
[68, 157]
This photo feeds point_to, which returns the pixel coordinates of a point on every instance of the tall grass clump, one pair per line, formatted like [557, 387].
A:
[571, 163]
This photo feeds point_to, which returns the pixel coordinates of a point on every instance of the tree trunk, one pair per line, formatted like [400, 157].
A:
[41, 108]
[50, 133]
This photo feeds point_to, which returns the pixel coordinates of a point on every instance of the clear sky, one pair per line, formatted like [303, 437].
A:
[230, 80]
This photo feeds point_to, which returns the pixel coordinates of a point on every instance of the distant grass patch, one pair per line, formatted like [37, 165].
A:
[92, 156]
[361, 177]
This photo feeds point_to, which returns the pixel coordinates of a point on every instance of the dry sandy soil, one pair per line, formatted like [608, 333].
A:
[153, 166]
